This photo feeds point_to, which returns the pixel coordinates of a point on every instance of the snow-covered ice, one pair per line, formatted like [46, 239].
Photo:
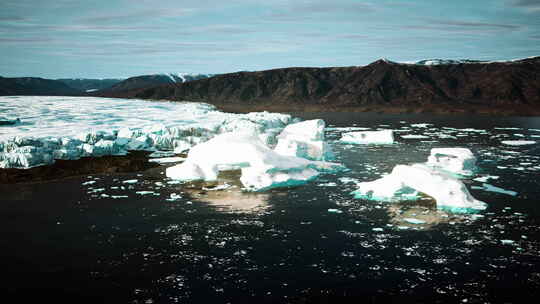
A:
[304, 139]
[404, 181]
[73, 127]
[369, 137]
[262, 168]
[455, 160]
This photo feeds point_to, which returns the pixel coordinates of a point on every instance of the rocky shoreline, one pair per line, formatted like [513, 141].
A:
[132, 162]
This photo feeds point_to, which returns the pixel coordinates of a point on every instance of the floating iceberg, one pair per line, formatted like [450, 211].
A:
[455, 160]
[262, 168]
[304, 139]
[369, 137]
[75, 127]
[448, 191]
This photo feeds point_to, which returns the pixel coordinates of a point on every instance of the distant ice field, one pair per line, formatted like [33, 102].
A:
[43, 116]
[39, 130]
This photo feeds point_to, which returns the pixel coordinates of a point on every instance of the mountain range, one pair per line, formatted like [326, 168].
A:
[82, 86]
[434, 85]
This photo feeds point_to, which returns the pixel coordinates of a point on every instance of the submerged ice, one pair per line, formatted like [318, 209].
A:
[74, 127]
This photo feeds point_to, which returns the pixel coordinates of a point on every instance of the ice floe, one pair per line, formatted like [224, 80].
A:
[74, 127]
[406, 180]
[369, 137]
[262, 168]
[456, 160]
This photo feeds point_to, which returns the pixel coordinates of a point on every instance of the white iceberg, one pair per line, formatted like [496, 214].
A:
[448, 191]
[74, 127]
[369, 137]
[304, 139]
[261, 167]
[455, 160]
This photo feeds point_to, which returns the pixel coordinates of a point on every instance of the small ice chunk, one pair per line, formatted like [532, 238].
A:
[130, 181]
[332, 210]
[492, 188]
[119, 196]
[414, 136]
[507, 242]
[421, 125]
[369, 137]
[518, 142]
[377, 229]
[88, 183]
[414, 221]
[484, 179]
[146, 192]
[456, 160]
[167, 160]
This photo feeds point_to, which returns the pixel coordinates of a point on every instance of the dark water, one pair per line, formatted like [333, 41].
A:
[86, 242]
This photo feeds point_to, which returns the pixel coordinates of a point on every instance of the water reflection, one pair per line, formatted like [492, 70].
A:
[226, 194]
[424, 215]
[232, 199]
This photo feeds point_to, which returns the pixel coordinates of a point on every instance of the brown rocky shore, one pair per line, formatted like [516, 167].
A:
[134, 161]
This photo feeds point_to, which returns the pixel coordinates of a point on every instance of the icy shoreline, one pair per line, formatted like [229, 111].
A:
[61, 128]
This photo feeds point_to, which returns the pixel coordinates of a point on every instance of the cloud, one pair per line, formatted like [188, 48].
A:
[532, 6]
[464, 27]
[135, 16]
[320, 11]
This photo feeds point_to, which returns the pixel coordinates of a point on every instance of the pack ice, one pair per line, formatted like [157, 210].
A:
[261, 167]
[72, 127]
[435, 178]
[368, 137]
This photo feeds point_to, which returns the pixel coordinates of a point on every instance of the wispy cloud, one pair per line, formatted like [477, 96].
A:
[532, 6]
[464, 27]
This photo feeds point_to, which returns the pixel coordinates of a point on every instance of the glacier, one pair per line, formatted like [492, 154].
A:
[261, 167]
[73, 127]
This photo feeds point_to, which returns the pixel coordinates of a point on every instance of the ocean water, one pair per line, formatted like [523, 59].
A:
[141, 238]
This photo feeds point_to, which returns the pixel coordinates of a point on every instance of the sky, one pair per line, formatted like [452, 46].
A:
[123, 38]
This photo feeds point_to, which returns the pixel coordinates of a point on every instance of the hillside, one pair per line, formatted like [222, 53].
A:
[510, 86]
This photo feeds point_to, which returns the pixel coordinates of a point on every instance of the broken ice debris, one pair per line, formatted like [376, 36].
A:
[368, 137]
[455, 160]
[448, 191]
[304, 139]
[261, 168]
[115, 127]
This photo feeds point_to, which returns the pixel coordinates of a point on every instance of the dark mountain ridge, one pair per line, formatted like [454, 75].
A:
[511, 85]
[35, 86]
